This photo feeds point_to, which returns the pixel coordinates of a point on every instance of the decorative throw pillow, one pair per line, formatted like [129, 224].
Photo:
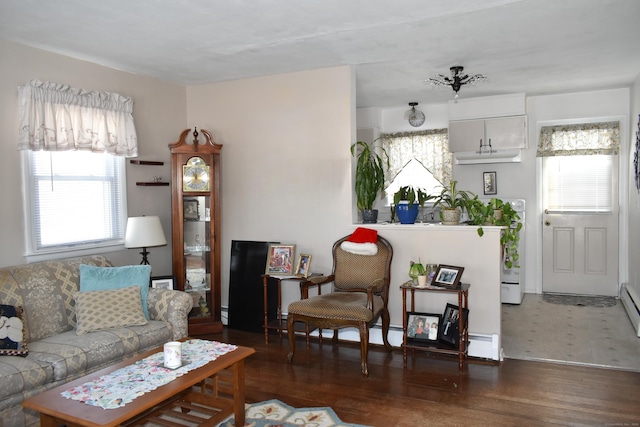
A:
[106, 278]
[12, 332]
[97, 310]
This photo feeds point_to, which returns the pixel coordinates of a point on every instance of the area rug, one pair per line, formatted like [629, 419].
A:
[274, 413]
[580, 300]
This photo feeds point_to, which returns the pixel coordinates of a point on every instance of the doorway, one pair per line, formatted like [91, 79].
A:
[580, 208]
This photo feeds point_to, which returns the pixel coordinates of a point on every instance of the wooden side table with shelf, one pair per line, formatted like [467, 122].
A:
[463, 326]
[280, 323]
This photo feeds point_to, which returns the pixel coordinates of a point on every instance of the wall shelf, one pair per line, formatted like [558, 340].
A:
[145, 162]
[152, 184]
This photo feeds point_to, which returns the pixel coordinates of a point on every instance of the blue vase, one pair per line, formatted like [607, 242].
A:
[406, 215]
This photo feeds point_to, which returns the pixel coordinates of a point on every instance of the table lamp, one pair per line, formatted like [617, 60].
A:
[144, 232]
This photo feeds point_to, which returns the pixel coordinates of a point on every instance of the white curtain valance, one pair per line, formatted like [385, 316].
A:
[56, 117]
[579, 139]
[429, 147]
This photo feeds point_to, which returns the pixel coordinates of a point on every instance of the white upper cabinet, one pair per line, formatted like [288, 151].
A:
[495, 134]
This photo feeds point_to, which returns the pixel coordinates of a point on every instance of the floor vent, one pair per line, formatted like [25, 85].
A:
[631, 302]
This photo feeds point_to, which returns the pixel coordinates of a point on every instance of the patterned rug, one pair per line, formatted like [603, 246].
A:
[580, 300]
[274, 413]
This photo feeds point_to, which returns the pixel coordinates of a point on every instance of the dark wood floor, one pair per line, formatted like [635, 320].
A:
[431, 391]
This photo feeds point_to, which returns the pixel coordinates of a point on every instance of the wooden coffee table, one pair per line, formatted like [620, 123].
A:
[218, 393]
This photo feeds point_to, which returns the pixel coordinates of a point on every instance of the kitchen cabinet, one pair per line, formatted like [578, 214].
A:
[488, 134]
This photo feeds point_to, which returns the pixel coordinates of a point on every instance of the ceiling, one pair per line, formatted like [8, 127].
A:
[531, 46]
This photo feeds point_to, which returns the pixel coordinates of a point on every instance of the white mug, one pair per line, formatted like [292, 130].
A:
[173, 355]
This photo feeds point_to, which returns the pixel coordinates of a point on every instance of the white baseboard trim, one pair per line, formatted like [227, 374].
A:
[483, 346]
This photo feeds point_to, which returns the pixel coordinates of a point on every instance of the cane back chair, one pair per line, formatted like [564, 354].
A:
[359, 297]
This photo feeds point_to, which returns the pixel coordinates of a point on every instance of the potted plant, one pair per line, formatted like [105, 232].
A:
[497, 212]
[406, 201]
[369, 179]
[452, 202]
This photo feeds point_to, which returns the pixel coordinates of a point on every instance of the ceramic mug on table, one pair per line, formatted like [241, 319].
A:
[173, 354]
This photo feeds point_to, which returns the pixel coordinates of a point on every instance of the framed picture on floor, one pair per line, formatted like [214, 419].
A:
[450, 327]
[423, 327]
[162, 282]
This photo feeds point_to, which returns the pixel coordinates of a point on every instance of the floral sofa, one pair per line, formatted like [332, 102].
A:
[65, 334]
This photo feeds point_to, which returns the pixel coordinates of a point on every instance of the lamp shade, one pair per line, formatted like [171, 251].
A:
[144, 232]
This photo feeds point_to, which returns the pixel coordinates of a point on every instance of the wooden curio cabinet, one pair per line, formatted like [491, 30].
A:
[195, 226]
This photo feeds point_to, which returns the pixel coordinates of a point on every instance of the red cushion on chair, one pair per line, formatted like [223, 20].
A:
[363, 235]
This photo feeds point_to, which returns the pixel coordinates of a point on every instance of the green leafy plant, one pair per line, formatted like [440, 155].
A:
[412, 195]
[369, 174]
[451, 198]
[487, 214]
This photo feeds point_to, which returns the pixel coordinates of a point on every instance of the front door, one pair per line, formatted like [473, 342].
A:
[580, 225]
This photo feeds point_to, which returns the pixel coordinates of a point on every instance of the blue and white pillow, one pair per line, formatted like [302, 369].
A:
[108, 278]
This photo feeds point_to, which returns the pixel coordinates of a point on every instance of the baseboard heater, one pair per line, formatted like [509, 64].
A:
[631, 302]
[483, 346]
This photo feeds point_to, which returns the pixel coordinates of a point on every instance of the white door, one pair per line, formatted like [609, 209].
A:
[580, 225]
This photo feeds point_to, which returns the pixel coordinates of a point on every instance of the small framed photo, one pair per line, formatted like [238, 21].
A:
[303, 265]
[450, 328]
[423, 327]
[191, 210]
[163, 282]
[489, 183]
[447, 276]
[280, 260]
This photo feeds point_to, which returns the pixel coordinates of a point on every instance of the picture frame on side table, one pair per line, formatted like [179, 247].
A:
[489, 183]
[450, 327]
[280, 260]
[447, 276]
[423, 327]
[191, 210]
[303, 265]
[163, 282]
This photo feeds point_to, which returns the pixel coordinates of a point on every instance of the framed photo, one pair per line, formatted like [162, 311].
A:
[191, 208]
[423, 327]
[280, 260]
[303, 265]
[163, 282]
[450, 327]
[489, 183]
[447, 276]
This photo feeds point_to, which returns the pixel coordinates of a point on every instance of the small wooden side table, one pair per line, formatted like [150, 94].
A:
[463, 326]
[280, 323]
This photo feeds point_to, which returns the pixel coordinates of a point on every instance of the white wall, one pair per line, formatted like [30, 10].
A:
[159, 112]
[286, 164]
[634, 194]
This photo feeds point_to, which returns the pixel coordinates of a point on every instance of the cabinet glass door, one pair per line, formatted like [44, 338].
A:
[197, 254]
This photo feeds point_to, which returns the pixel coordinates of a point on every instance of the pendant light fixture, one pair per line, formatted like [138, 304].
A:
[415, 117]
[457, 80]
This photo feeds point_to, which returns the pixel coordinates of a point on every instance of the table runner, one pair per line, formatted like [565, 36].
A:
[123, 385]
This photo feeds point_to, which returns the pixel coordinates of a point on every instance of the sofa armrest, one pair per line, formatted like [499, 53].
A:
[173, 307]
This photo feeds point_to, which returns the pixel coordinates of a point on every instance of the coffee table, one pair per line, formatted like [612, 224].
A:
[219, 392]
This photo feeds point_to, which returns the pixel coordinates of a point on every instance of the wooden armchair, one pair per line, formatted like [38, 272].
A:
[359, 297]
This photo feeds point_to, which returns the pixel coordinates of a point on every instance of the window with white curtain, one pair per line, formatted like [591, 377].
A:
[74, 146]
[420, 159]
[580, 166]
